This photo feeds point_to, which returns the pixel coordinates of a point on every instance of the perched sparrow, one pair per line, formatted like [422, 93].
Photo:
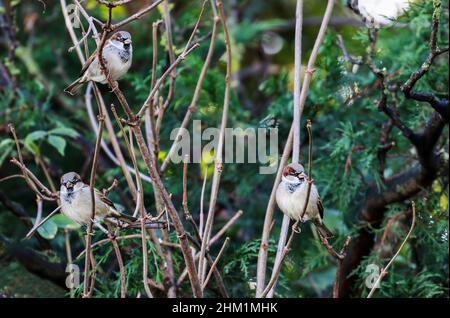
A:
[75, 199]
[291, 196]
[117, 54]
[380, 12]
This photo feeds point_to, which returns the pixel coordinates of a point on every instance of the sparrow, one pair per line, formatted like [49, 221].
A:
[379, 13]
[117, 54]
[75, 197]
[291, 195]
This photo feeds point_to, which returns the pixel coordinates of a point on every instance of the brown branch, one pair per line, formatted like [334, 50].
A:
[382, 104]
[197, 232]
[398, 188]
[213, 266]
[218, 156]
[349, 58]
[38, 224]
[101, 118]
[139, 205]
[179, 59]
[156, 285]
[262, 257]
[202, 202]
[213, 240]
[217, 276]
[150, 129]
[135, 16]
[154, 175]
[384, 270]
[440, 105]
[340, 260]
[32, 181]
[227, 225]
[386, 144]
[269, 291]
[168, 26]
[184, 203]
[118, 159]
[278, 266]
[119, 262]
[68, 255]
[195, 97]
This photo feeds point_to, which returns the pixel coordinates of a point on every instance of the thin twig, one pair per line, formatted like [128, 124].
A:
[340, 260]
[230, 222]
[285, 250]
[440, 105]
[195, 97]
[296, 121]
[384, 271]
[139, 205]
[135, 16]
[179, 59]
[202, 202]
[36, 226]
[68, 255]
[101, 118]
[119, 262]
[218, 156]
[213, 266]
[213, 240]
[304, 92]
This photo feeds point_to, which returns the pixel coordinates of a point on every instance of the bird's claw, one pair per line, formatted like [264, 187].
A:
[295, 228]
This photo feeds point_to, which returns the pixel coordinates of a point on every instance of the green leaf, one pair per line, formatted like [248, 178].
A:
[64, 131]
[35, 135]
[63, 222]
[6, 146]
[47, 230]
[58, 142]
[30, 140]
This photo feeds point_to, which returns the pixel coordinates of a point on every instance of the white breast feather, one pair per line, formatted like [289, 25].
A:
[79, 207]
[292, 204]
[116, 67]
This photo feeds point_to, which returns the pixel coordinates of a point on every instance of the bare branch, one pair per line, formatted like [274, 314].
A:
[218, 156]
[262, 258]
[384, 270]
[213, 266]
[135, 16]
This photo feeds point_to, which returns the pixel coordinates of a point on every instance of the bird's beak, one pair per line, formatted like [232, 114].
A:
[302, 175]
[69, 186]
[127, 41]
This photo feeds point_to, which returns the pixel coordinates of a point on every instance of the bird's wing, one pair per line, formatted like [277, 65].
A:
[88, 62]
[104, 199]
[320, 207]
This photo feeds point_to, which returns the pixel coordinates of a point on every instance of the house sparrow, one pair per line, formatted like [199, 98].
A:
[378, 13]
[291, 195]
[117, 54]
[75, 197]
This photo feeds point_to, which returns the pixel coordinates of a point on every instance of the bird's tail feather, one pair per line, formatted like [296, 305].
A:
[135, 223]
[126, 218]
[75, 86]
[323, 230]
